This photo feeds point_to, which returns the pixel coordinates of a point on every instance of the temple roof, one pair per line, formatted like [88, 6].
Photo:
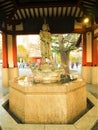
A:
[18, 10]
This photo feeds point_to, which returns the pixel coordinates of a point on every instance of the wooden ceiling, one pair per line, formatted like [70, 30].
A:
[13, 11]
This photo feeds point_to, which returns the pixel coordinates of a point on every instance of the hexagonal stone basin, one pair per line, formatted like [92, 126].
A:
[48, 103]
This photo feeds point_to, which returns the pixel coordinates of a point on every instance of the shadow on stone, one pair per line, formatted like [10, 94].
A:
[95, 127]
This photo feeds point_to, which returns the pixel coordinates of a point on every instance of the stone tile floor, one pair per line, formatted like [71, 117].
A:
[93, 89]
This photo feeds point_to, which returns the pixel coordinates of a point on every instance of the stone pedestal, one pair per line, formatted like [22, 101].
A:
[8, 74]
[87, 74]
[95, 75]
[5, 77]
[90, 74]
[48, 103]
[13, 72]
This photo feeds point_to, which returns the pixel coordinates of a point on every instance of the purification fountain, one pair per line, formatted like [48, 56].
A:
[49, 95]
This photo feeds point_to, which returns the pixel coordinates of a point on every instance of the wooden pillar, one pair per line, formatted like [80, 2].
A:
[84, 50]
[90, 57]
[5, 51]
[14, 51]
[12, 57]
[95, 58]
[89, 43]
[10, 69]
[5, 60]
[95, 52]
[87, 57]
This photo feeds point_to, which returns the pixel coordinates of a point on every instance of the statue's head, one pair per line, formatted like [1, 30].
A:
[45, 27]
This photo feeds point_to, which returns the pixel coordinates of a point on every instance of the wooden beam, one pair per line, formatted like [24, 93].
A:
[47, 4]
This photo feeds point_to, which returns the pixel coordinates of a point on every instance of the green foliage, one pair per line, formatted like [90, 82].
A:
[69, 41]
[22, 52]
[58, 58]
[75, 56]
[62, 45]
[55, 49]
[54, 38]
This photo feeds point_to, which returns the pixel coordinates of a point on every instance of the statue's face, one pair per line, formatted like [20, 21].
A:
[45, 27]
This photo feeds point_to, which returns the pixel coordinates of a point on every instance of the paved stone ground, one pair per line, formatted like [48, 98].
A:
[94, 91]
